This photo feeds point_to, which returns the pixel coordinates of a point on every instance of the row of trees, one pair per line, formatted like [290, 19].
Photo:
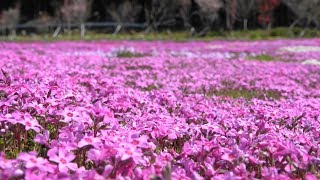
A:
[199, 16]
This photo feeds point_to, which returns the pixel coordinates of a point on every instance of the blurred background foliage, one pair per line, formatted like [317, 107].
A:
[192, 18]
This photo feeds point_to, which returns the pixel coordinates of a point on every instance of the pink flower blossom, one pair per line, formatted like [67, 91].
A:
[89, 140]
[191, 110]
[64, 159]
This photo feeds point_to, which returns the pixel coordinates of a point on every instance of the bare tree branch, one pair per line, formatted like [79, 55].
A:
[208, 12]
[9, 19]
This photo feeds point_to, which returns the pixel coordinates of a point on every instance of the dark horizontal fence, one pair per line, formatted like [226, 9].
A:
[87, 25]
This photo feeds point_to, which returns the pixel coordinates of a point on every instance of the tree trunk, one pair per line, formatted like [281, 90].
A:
[245, 24]
[3, 30]
[118, 29]
[13, 32]
[69, 28]
[269, 26]
[82, 30]
[228, 21]
[56, 32]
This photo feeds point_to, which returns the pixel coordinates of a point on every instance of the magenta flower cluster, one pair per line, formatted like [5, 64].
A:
[160, 110]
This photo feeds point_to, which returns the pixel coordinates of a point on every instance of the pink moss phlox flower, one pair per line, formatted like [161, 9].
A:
[64, 160]
[31, 160]
[89, 140]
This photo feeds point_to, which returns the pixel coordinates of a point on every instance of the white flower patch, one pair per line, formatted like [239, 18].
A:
[116, 51]
[131, 50]
[300, 49]
[187, 54]
[215, 47]
[216, 55]
[312, 62]
[85, 53]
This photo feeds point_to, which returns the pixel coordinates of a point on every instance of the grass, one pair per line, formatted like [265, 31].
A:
[91, 35]
[128, 54]
[245, 93]
[259, 34]
[275, 33]
[262, 57]
[140, 67]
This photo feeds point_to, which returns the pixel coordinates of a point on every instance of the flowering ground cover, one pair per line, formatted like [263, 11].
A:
[160, 110]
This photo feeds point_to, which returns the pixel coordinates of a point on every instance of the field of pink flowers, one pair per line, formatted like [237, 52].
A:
[160, 110]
